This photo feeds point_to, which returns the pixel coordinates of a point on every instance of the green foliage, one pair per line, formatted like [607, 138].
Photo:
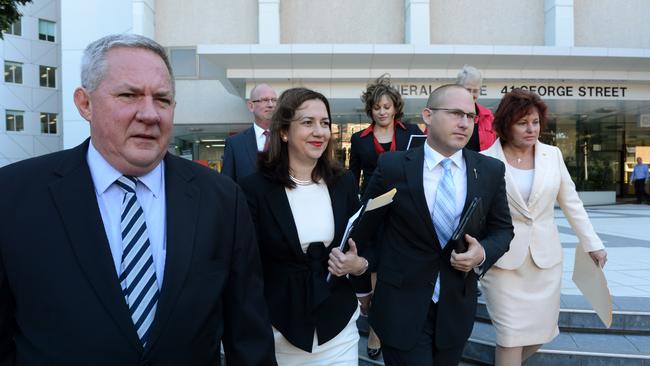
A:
[9, 12]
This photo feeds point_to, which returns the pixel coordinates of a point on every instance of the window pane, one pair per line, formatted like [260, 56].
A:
[46, 30]
[14, 28]
[47, 76]
[14, 120]
[19, 122]
[13, 72]
[48, 123]
[10, 122]
[52, 123]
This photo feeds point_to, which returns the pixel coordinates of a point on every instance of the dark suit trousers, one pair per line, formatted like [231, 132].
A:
[425, 352]
[639, 190]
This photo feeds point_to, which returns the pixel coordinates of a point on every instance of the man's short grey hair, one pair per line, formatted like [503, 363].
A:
[469, 74]
[93, 62]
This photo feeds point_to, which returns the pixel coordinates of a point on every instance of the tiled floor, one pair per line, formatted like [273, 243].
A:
[625, 230]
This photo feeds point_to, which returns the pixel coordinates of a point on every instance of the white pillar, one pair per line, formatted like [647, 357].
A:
[84, 21]
[417, 22]
[268, 21]
[144, 18]
[558, 23]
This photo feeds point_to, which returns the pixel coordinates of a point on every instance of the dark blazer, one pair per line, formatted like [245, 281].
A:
[60, 299]
[299, 299]
[362, 151]
[411, 256]
[240, 155]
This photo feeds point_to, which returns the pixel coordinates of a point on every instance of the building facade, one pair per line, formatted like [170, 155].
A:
[588, 59]
[30, 98]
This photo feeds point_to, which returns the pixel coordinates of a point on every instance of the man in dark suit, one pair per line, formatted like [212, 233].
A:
[240, 154]
[424, 303]
[116, 252]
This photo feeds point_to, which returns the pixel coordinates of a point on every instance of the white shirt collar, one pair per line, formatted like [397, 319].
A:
[104, 174]
[259, 131]
[432, 158]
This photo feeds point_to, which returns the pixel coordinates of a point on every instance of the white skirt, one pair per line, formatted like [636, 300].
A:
[524, 304]
[341, 350]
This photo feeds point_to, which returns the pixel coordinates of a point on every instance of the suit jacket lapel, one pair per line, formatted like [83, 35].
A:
[472, 171]
[513, 193]
[251, 145]
[413, 167]
[541, 165]
[279, 204]
[74, 197]
[337, 197]
[182, 207]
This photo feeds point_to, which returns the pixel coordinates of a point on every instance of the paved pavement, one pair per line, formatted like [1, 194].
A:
[625, 231]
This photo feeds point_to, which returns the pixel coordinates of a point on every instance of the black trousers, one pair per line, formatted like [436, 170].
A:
[639, 189]
[425, 352]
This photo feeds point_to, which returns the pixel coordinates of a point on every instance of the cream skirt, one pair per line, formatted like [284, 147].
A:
[524, 304]
[342, 350]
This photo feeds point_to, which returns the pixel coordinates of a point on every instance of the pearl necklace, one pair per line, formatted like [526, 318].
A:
[301, 182]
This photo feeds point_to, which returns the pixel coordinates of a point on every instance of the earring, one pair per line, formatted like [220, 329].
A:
[284, 138]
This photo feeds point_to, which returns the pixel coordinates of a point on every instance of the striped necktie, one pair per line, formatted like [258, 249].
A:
[138, 277]
[445, 205]
[443, 213]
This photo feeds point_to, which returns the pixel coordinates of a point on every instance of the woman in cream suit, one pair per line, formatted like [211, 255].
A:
[523, 288]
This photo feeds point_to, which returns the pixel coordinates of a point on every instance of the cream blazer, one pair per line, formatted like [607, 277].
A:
[534, 223]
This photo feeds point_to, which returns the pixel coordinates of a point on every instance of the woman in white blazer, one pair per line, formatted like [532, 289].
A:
[522, 289]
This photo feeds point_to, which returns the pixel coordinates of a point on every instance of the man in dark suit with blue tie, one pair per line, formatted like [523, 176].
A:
[425, 299]
[240, 154]
[116, 252]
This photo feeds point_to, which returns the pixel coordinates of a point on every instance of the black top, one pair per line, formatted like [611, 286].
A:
[363, 156]
[297, 294]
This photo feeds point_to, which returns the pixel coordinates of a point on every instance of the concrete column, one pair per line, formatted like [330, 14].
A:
[144, 18]
[417, 22]
[84, 21]
[268, 22]
[558, 23]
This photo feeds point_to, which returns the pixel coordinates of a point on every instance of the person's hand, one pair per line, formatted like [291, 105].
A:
[341, 264]
[599, 257]
[365, 303]
[474, 255]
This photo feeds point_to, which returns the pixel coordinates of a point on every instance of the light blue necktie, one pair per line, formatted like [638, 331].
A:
[138, 277]
[443, 214]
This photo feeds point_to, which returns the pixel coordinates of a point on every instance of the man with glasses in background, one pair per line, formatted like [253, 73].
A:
[425, 300]
[240, 155]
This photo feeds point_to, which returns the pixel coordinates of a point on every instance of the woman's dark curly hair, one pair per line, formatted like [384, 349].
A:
[382, 86]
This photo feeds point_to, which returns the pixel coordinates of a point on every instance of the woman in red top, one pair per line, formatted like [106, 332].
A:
[483, 136]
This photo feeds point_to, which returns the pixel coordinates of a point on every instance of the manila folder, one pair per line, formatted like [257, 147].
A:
[591, 281]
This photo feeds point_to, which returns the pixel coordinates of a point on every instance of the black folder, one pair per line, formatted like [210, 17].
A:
[470, 223]
[363, 225]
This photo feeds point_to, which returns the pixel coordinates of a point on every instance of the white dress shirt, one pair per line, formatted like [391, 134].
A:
[259, 136]
[150, 192]
[431, 176]
[433, 172]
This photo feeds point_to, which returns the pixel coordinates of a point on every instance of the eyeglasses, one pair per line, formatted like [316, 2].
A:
[265, 100]
[457, 113]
